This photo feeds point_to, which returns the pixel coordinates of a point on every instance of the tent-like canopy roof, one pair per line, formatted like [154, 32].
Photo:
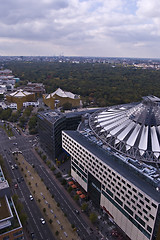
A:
[131, 129]
[59, 92]
[20, 93]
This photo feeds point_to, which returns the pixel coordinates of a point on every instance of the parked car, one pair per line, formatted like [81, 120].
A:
[42, 221]
[31, 197]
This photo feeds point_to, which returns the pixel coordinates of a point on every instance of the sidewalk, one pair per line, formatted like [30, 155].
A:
[68, 196]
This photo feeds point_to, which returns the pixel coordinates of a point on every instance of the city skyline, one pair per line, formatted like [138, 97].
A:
[112, 28]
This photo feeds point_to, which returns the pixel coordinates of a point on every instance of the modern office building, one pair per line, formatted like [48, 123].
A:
[10, 225]
[50, 126]
[115, 157]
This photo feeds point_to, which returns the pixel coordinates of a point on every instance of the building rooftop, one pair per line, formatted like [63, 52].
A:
[4, 209]
[141, 175]
[131, 129]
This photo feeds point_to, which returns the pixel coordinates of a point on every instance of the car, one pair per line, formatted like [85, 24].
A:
[31, 197]
[42, 221]
[12, 167]
[22, 179]
[32, 235]
[16, 166]
[18, 180]
[10, 162]
[16, 186]
[76, 211]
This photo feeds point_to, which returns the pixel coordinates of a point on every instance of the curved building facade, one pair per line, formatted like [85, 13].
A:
[132, 129]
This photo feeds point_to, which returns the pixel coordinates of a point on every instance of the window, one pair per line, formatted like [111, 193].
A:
[135, 197]
[147, 200]
[109, 192]
[140, 194]
[140, 220]
[118, 177]
[129, 192]
[141, 202]
[118, 200]
[146, 218]
[128, 210]
[139, 213]
[122, 192]
[124, 188]
[144, 210]
[148, 207]
[134, 190]
[128, 185]
[134, 207]
[154, 205]
[128, 203]
[151, 217]
[149, 229]
[123, 181]
[132, 200]
[138, 205]
[127, 195]
[123, 198]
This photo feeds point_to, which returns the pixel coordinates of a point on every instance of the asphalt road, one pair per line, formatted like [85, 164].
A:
[34, 224]
[25, 144]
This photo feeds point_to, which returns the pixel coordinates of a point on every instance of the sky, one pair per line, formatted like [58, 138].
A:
[102, 28]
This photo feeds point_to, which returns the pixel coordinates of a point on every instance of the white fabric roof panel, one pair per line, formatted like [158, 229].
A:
[144, 139]
[112, 120]
[155, 142]
[124, 133]
[110, 116]
[131, 140]
[114, 124]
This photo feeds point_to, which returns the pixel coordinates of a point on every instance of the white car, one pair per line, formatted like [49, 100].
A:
[31, 197]
[42, 220]
[12, 167]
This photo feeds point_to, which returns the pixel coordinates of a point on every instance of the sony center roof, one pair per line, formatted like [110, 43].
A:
[131, 129]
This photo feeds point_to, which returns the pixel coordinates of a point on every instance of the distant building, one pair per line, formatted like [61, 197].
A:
[19, 97]
[37, 88]
[114, 156]
[59, 97]
[10, 225]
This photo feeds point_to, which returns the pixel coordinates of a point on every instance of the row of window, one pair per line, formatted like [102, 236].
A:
[113, 182]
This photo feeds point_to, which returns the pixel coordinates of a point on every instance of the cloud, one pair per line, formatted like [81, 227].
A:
[80, 27]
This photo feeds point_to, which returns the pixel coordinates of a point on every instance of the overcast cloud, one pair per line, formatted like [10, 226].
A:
[109, 28]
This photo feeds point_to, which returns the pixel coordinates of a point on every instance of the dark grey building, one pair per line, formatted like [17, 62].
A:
[50, 125]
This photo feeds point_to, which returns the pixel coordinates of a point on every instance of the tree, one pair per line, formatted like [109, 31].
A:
[44, 210]
[84, 206]
[57, 233]
[76, 197]
[50, 221]
[93, 217]
[67, 106]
